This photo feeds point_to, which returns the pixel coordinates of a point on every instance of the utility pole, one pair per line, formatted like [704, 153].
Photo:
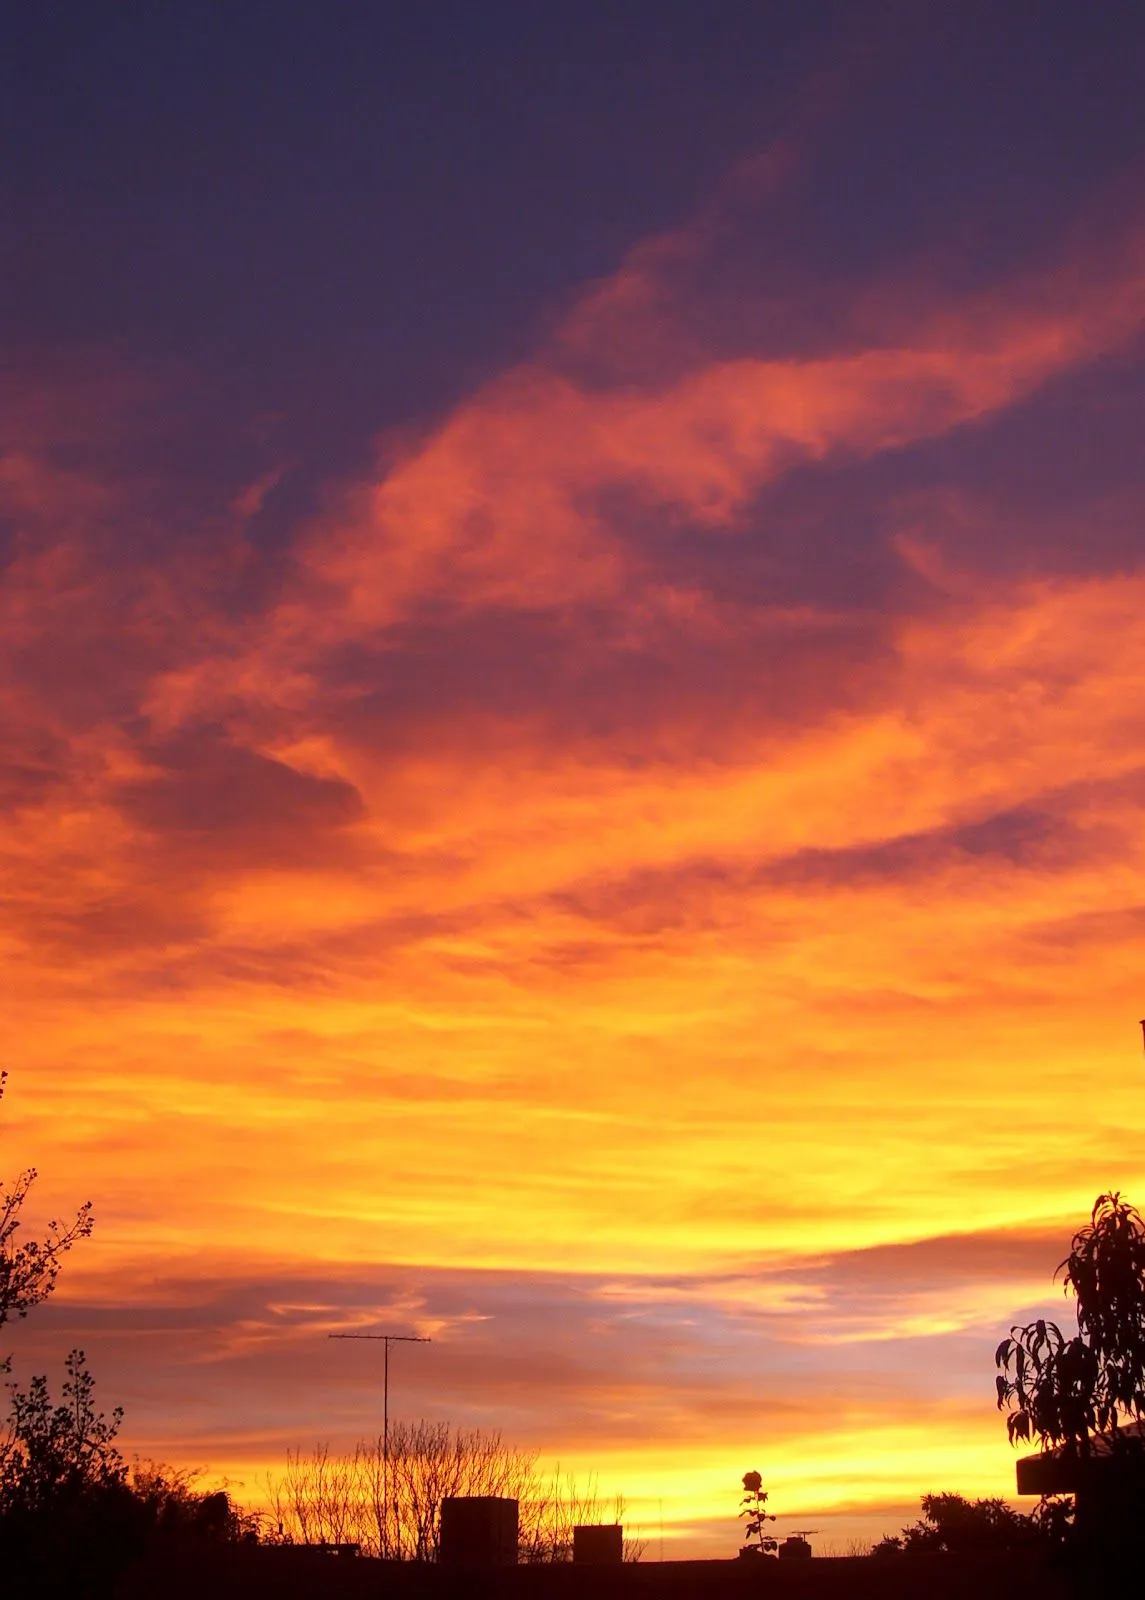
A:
[386, 1339]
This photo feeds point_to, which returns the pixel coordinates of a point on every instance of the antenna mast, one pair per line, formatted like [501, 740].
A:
[386, 1339]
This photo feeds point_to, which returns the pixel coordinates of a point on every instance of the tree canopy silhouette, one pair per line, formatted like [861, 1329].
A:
[28, 1271]
[1059, 1390]
[957, 1526]
[72, 1514]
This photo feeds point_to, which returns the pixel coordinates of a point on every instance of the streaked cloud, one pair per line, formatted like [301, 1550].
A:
[644, 885]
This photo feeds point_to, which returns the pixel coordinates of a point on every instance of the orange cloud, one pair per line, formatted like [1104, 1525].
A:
[635, 862]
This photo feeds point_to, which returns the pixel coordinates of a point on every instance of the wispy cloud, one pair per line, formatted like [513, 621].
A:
[643, 884]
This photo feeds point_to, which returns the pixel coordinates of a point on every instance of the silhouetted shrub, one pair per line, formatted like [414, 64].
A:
[957, 1526]
[72, 1515]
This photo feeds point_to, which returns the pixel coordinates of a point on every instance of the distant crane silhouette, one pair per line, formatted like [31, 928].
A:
[386, 1339]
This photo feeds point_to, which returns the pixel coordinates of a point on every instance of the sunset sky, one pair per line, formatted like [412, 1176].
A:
[573, 642]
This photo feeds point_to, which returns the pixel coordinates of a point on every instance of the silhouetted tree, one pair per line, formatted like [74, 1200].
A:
[71, 1513]
[1062, 1390]
[323, 1498]
[28, 1271]
[560, 1504]
[958, 1526]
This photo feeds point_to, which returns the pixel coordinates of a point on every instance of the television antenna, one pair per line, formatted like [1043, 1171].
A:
[385, 1339]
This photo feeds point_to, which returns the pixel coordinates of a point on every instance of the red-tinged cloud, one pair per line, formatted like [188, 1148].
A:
[644, 886]
[508, 503]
